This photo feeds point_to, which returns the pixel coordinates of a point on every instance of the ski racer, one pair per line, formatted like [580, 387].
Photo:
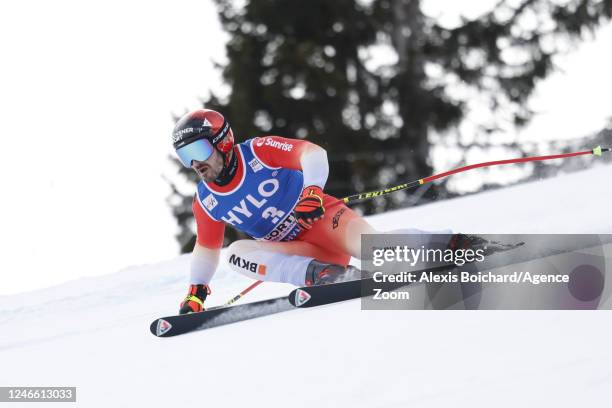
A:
[271, 188]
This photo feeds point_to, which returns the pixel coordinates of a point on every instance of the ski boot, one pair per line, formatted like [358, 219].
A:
[194, 301]
[319, 273]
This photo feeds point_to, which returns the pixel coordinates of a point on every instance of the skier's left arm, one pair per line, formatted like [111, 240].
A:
[307, 157]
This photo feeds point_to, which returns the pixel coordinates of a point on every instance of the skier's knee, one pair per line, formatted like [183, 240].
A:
[239, 257]
[236, 249]
[239, 245]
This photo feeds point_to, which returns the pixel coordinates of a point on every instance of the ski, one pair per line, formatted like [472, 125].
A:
[180, 324]
[303, 297]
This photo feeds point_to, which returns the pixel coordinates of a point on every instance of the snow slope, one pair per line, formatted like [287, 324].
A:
[93, 333]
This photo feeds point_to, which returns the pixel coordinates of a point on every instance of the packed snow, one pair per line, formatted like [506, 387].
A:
[94, 333]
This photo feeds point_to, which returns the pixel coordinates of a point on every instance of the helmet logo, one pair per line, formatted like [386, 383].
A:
[206, 123]
[179, 134]
[221, 134]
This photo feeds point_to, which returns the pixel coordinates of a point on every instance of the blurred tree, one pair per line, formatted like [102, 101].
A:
[309, 69]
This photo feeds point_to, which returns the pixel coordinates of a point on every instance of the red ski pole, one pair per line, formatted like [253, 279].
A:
[373, 194]
[244, 292]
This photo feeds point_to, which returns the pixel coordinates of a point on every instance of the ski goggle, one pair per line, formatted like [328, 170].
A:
[199, 150]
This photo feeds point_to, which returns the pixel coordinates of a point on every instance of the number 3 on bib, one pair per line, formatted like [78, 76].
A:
[273, 212]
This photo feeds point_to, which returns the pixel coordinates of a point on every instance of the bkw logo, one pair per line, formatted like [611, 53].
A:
[247, 265]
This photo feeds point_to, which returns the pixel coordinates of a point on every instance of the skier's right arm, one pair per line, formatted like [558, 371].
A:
[205, 256]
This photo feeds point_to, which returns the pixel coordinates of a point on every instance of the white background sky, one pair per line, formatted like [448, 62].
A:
[86, 95]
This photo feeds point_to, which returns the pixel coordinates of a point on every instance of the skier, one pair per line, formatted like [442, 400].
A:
[271, 188]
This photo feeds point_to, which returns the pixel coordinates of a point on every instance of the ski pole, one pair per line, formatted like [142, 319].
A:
[241, 294]
[373, 194]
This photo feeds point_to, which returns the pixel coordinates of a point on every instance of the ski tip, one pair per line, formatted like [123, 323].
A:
[160, 327]
[300, 297]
